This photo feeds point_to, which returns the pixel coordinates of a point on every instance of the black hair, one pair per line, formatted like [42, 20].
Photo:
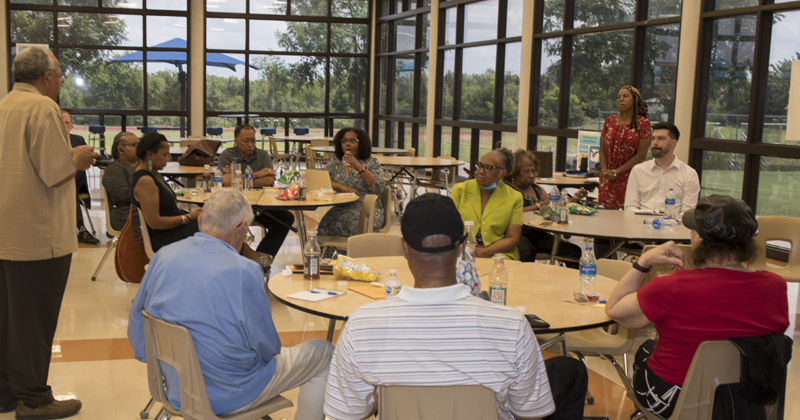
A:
[745, 252]
[507, 156]
[117, 142]
[674, 133]
[639, 107]
[364, 143]
[242, 127]
[150, 142]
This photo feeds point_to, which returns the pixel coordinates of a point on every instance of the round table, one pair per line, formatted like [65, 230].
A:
[542, 290]
[180, 139]
[376, 150]
[298, 151]
[561, 180]
[618, 226]
[174, 170]
[177, 152]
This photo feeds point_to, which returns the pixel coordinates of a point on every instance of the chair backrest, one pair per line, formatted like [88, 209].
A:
[187, 143]
[465, 402]
[411, 151]
[374, 245]
[386, 202]
[325, 157]
[273, 148]
[110, 229]
[452, 170]
[366, 220]
[173, 345]
[778, 228]
[663, 270]
[311, 158]
[148, 247]
[613, 269]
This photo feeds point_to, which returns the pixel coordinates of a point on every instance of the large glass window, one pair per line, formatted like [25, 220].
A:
[124, 65]
[295, 64]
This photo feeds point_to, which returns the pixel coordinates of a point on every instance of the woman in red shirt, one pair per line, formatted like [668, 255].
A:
[721, 300]
[623, 143]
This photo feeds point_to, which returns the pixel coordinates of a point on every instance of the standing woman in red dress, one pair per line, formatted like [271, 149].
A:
[623, 143]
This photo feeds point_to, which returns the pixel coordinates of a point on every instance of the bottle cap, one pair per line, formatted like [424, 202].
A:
[392, 272]
[499, 257]
[469, 223]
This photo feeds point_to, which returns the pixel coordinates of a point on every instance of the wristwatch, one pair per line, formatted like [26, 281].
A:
[362, 171]
[640, 268]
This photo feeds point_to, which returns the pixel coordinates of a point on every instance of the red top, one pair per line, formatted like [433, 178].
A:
[622, 143]
[708, 304]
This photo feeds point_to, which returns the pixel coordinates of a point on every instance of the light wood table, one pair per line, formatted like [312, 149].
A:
[538, 288]
[176, 151]
[252, 196]
[179, 139]
[376, 150]
[174, 170]
[618, 226]
[559, 179]
[298, 144]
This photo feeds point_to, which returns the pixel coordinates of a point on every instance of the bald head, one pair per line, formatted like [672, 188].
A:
[433, 269]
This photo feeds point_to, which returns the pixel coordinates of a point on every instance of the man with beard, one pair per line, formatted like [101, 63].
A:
[650, 180]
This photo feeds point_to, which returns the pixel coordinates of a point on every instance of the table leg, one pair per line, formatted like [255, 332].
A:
[331, 329]
[556, 239]
[615, 245]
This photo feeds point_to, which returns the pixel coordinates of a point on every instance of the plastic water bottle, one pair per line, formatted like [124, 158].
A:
[302, 188]
[498, 280]
[311, 254]
[669, 205]
[248, 178]
[236, 180]
[218, 179]
[470, 241]
[588, 272]
[207, 178]
[555, 197]
[393, 284]
[563, 208]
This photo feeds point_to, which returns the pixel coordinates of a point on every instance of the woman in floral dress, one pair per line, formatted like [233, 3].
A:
[355, 171]
[623, 144]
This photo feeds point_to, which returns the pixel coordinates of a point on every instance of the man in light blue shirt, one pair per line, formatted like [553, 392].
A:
[203, 284]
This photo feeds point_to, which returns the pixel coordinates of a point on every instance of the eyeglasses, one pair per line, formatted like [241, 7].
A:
[349, 140]
[61, 76]
[485, 168]
[130, 144]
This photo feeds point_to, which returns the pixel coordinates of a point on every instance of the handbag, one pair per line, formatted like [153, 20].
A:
[200, 153]
[130, 257]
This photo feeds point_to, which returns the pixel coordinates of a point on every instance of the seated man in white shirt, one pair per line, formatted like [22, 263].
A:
[650, 180]
[412, 339]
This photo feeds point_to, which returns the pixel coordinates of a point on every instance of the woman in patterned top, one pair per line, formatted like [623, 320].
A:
[623, 144]
[354, 171]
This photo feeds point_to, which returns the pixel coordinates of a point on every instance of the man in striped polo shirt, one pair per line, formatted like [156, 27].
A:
[437, 334]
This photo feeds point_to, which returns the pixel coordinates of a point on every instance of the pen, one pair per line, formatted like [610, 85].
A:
[327, 291]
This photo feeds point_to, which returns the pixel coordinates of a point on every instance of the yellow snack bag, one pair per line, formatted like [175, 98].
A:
[352, 269]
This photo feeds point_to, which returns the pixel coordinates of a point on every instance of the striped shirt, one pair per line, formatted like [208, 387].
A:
[438, 337]
[648, 185]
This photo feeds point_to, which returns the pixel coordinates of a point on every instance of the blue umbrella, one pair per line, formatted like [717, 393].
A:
[178, 59]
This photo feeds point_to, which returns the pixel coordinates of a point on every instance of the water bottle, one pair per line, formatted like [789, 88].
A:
[248, 178]
[588, 272]
[218, 179]
[311, 254]
[555, 197]
[498, 280]
[207, 178]
[393, 284]
[669, 205]
[470, 241]
[563, 208]
[655, 223]
[236, 179]
[302, 189]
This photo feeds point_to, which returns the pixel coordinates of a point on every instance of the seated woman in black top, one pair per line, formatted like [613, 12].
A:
[166, 222]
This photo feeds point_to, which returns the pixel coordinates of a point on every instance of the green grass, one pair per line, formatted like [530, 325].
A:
[778, 192]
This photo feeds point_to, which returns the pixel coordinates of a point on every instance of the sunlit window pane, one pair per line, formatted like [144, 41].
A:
[549, 79]
[661, 71]
[165, 28]
[100, 29]
[32, 27]
[94, 80]
[722, 174]
[225, 34]
[778, 187]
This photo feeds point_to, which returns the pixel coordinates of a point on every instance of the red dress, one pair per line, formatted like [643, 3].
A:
[622, 143]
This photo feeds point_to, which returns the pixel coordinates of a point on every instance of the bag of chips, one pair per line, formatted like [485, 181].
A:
[352, 269]
[288, 176]
[289, 193]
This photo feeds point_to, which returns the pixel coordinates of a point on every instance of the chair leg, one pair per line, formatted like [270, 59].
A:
[146, 412]
[620, 371]
[103, 261]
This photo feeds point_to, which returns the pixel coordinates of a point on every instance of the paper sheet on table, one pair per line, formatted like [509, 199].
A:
[647, 212]
[594, 180]
[309, 296]
[370, 291]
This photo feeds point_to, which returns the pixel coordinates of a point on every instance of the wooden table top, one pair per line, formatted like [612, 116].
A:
[377, 150]
[539, 288]
[266, 198]
[414, 161]
[302, 139]
[610, 224]
[176, 169]
[565, 181]
[252, 196]
[179, 151]
[179, 139]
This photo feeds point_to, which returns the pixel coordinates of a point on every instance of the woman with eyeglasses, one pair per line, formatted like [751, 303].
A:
[118, 179]
[494, 207]
[533, 198]
[353, 171]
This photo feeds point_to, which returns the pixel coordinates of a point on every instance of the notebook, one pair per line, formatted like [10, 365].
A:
[317, 179]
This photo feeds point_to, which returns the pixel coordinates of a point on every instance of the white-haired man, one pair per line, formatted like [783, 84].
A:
[37, 233]
[205, 285]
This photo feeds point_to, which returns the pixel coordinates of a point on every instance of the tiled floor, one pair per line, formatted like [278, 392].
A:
[93, 361]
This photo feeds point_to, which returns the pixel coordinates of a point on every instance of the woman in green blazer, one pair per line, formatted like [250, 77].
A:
[494, 207]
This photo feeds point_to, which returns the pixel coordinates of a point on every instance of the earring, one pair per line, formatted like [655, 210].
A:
[150, 165]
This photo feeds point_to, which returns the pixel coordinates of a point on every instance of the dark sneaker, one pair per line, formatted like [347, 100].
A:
[7, 408]
[265, 261]
[55, 410]
[85, 237]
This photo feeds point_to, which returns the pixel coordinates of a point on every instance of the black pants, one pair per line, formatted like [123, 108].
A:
[30, 300]
[568, 383]
[533, 241]
[79, 213]
[276, 233]
[653, 393]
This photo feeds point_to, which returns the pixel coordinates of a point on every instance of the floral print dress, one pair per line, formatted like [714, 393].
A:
[343, 220]
[622, 143]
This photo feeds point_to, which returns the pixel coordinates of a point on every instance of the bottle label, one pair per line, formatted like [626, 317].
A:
[301, 193]
[392, 290]
[218, 180]
[588, 270]
[248, 176]
[313, 266]
[670, 201]
[498, 294]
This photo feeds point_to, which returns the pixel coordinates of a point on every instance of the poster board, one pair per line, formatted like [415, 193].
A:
[589, 147]
[21, 46]
[793, 110]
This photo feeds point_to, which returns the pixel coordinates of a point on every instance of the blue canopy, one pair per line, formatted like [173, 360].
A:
[178, 58]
